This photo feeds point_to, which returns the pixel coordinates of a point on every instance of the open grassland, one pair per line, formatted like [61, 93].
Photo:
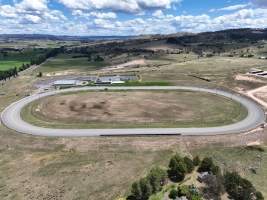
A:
[243, 160]
[189, 69]
[78, 168]
[100, 168]
[68, 62]
[134, 109]
[219, 71]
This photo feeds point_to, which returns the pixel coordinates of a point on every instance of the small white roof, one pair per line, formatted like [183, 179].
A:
[117, 81]
[255, 70]
[65, 82]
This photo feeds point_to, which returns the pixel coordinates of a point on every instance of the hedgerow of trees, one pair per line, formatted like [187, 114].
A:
[13, 72]
[7, 74]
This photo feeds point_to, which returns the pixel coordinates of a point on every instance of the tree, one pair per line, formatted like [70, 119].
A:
[136, 191]
[182, 190]
[177, 169]
[89, 57]
[157, 178]
[173, 194]
[189, 164]
[7, 74]
[15, 72]
[207, 165]
[152, 183]
[259, 196]
[141, 190]
[196, 160]
[145, 188]
[99, 59]
[239, 188]
[214, 186]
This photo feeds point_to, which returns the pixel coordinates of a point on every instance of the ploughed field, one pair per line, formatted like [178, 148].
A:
[133, 109]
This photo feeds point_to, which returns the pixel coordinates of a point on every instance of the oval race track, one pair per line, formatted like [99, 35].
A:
[11, 116]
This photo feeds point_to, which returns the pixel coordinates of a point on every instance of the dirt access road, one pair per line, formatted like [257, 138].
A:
[255, 94]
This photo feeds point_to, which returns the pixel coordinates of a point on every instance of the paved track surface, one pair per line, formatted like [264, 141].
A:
[12, 119]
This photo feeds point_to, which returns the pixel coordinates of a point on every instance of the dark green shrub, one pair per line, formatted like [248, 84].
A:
[239, 188]
[196, 160]
[189, 164]
[173, 194]
[177, 169]
[157, 178]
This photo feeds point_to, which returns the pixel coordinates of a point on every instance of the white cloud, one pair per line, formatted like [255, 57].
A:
[40, 18]
[32, 19]
[130, 6]
[101, 15]
[158, 14]
[32, 11]
[121, 5]
[232, 8]
[108, 15]
[8, 11]
[156, 3]
[103, 24]
[34, 5]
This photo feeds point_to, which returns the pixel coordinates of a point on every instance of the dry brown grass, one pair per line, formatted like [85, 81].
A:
[134, 109]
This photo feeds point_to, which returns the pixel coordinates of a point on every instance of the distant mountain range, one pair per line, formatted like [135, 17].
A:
[180, 37]
[63, 37]
[229, 35]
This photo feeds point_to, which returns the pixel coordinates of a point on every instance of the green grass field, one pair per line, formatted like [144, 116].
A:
[5, 65]
[16, 59]
[67, 62]
[142, 83]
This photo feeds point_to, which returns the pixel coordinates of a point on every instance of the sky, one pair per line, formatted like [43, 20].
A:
[128, 17]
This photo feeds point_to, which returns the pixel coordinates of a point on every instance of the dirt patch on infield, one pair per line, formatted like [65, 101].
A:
[134, 109]
[116, 107]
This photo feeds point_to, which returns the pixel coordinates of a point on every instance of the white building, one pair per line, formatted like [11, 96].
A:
[69, 83]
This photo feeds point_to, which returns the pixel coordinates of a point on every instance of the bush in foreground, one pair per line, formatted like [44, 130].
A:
[189, 164]
[173, 194]
[207, 165]
[196, 161]
[151, 184]
[240, 188]
[177, 169]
